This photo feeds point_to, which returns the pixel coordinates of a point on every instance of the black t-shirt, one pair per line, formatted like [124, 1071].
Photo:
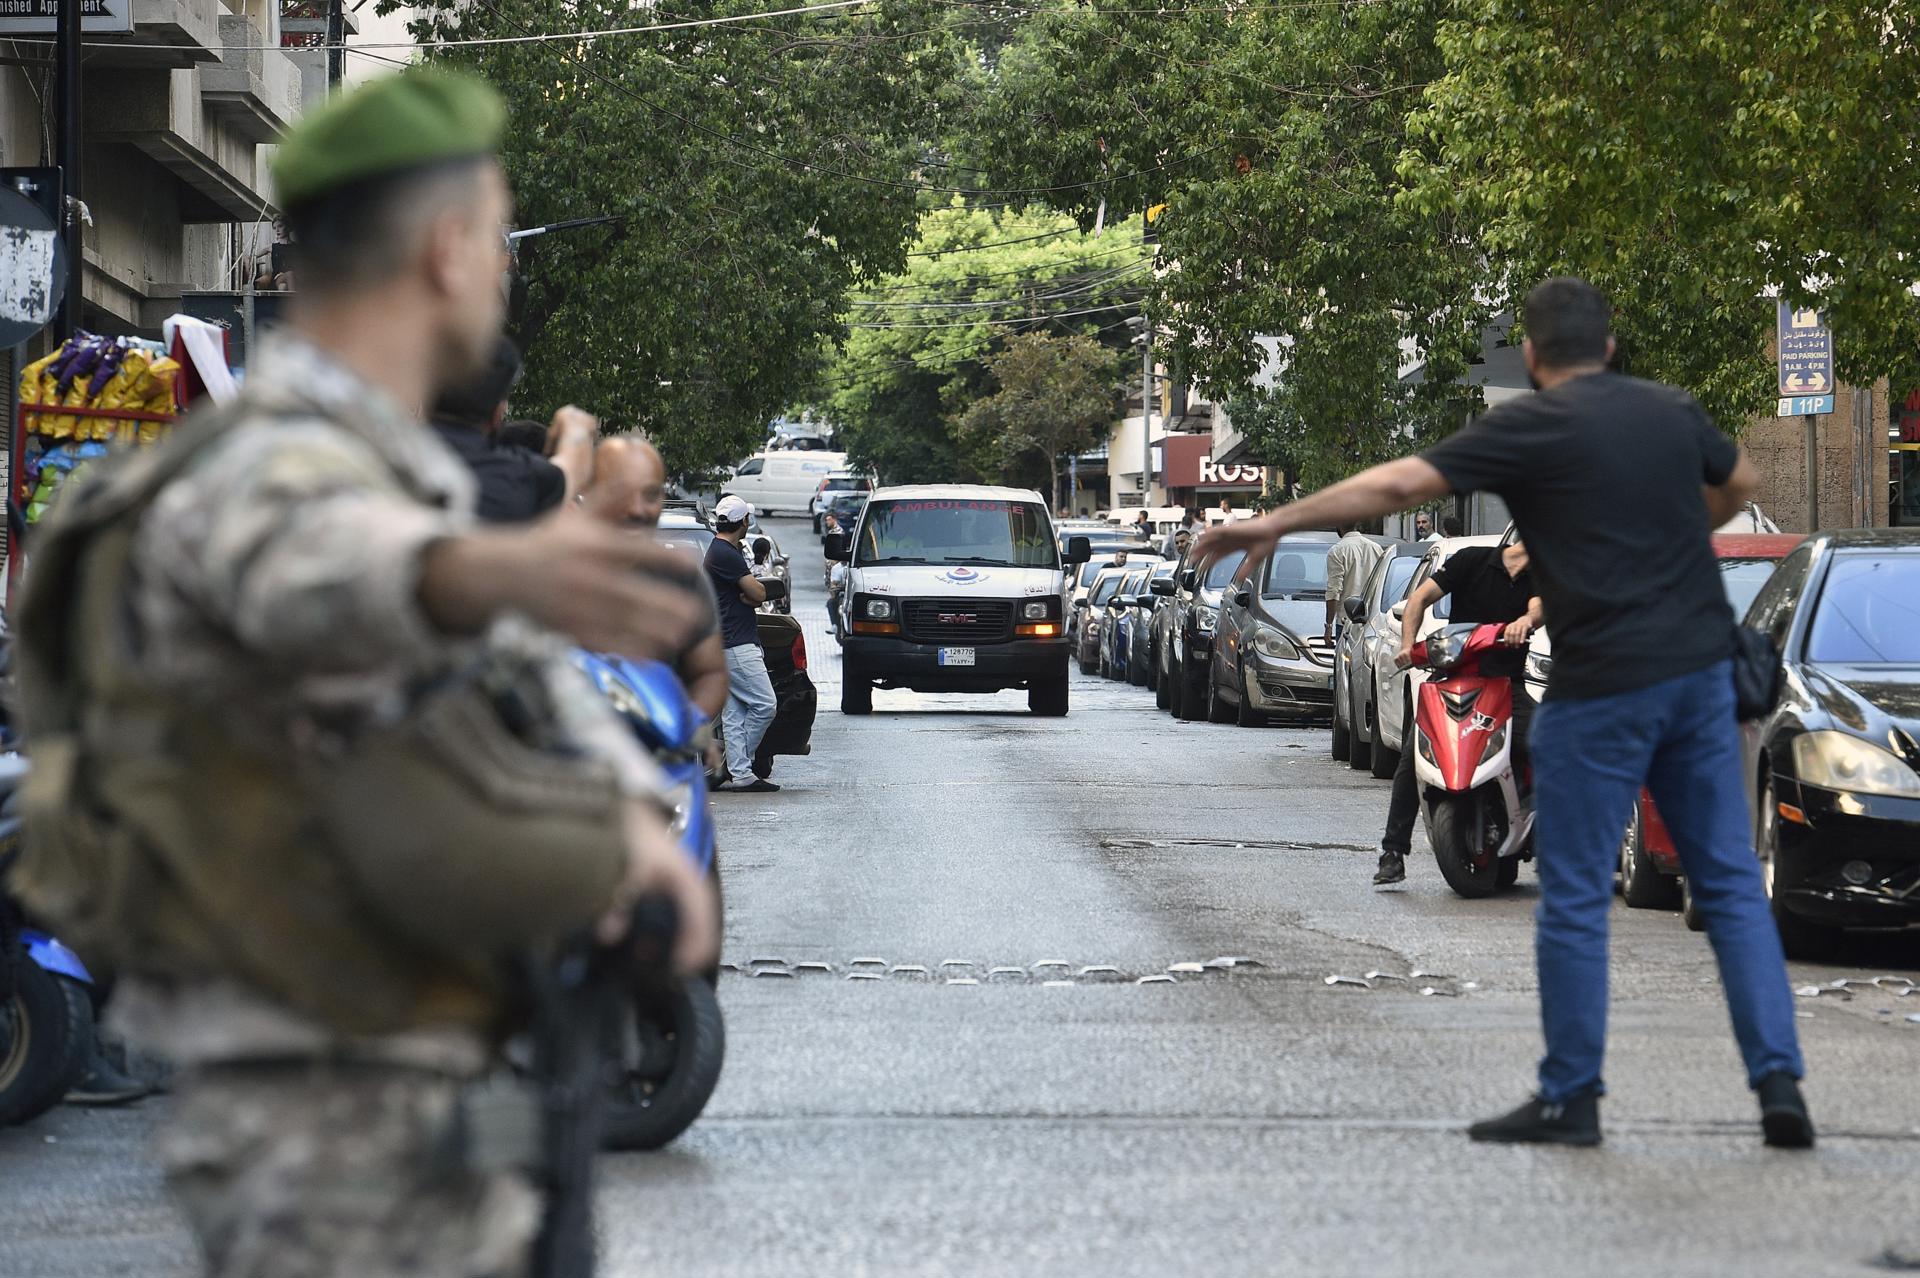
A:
[1481, 591]
[1603, 476]
[725, 567]
[516, 484]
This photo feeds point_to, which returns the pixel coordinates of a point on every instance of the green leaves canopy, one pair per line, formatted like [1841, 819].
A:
[1055, 396]
[761, 170]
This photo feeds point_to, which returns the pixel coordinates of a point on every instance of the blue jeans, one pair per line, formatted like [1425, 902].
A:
[1591, 757]
[749, 709]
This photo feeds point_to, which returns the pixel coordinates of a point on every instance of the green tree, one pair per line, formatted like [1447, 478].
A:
[914, 355]
[1688, 158]
[1055, 395]
[758, 171]
[1269, 138]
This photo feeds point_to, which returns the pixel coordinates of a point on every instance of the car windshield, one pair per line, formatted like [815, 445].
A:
[1221, 571]
[957, 530]
[846, 484]
[1105, 589]
[1743, 579]
[1136, 582]
[1094, 567]
[695, 540]
[1297, 570]
[1869, 610]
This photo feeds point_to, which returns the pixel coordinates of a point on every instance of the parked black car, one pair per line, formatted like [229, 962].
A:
[1834, 768]
[784, 645]
[1186, 660]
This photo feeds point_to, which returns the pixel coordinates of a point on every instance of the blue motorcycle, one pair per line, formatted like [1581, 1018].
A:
[673, 1045]
[46, 993]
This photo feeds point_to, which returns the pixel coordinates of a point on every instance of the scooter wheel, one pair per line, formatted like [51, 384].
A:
[1471, 871]
[674, 1046]
[46, 1030]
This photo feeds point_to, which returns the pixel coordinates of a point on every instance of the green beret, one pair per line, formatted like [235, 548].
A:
[405, 121]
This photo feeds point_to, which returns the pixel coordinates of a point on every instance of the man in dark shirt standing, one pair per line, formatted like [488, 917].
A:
[750, 699]
[515, 484]
[1488, 584]
[1616, 485]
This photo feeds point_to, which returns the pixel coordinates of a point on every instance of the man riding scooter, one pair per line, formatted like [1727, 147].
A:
[1488, 584]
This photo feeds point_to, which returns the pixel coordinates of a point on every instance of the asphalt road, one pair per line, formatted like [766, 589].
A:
[1258, 1121]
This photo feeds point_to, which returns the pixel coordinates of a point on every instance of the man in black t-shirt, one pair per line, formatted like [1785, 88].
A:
[1488, 584]
[515, 484]
[1616, 485]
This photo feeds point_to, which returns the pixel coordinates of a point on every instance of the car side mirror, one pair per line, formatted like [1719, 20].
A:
[1143, 601]
[1399, 612]
[1187, 579]
[1243, 596]
[1123, 601]
[775, 588]
[836, 548]
[1356, 608]
[1079, 551]
[1162, 586]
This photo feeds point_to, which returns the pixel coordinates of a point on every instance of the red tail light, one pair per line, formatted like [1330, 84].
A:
[799, 652]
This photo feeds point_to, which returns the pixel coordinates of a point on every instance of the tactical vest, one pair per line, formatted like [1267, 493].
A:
[373, 888]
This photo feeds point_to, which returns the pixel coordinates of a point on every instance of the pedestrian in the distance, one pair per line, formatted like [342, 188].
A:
[1423, 526]
[1348, 564]
[750, 698]
[1642, 688]
[1450, 526]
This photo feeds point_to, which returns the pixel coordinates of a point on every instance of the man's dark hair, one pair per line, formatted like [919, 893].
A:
[1450, 526]
[522, 433]
[358, 233]
[472, 401]
[1567, 321]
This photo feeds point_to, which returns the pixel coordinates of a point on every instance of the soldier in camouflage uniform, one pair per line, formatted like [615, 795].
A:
[296, 595]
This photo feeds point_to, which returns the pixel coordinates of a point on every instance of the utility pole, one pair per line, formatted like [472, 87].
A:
[1813, 474]
[336, 36]
[1146, 413]
[66, 95]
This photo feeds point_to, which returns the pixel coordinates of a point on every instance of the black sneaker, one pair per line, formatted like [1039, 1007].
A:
[1393, 868]
[103, 1084]
[1539, 1122]
[1783, 1113]
[756, 785]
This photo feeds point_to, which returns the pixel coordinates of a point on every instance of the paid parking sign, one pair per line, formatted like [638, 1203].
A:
[1806, 362]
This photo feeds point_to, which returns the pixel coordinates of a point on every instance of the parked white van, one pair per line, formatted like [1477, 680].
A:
[954, 588]
[782, 480]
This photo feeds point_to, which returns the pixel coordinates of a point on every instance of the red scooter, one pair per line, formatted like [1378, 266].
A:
[1463, 742]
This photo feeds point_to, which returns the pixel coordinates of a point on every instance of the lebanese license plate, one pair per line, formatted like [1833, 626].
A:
[956, 656]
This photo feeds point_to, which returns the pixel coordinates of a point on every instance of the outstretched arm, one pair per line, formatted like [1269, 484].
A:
[1377, 491]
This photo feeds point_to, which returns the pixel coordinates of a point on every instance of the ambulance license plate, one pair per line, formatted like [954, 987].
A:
[956, 656]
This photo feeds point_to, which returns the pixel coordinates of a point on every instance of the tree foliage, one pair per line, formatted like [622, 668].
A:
[1053, 396]
[917, 343]
[760, 170]
[1271, 135]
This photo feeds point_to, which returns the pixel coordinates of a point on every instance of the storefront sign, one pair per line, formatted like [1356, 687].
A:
[1190, 464]
[42, 17]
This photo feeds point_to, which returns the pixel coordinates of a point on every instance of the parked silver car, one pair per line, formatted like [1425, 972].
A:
[1356, 651]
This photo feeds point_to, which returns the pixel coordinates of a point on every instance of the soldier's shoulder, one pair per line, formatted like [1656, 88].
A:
[264, 445]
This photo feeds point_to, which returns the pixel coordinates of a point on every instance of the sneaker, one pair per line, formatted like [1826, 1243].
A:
[102, 1084]
[1540, 1122]
[1783, 1112]
[1393, 868]
[752, 785]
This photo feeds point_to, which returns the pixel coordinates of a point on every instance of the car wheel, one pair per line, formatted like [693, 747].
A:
[1137, 667]
[1690, 908]
[816, 525]
[1342, 735]
[1218, 711]
[1048, 697]
[1800, 938]
[1361, 746]
[1642, 886]
[1086, 667]
[1150, 676]
[1381, 761]
[1163, 690]
[1244, 714]
[856, 694]
[1186, 698]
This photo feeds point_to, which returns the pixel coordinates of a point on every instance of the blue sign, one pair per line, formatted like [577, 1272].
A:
[1806, 357]
[1805, 406]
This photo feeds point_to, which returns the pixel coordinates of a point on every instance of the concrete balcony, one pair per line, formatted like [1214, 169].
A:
[189, 30]
[255, 91]
[163, 114]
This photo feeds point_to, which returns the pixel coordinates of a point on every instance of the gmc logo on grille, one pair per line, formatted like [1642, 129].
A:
[957, 618]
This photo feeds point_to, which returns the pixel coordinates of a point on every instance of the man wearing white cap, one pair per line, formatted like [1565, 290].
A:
[750, 700]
